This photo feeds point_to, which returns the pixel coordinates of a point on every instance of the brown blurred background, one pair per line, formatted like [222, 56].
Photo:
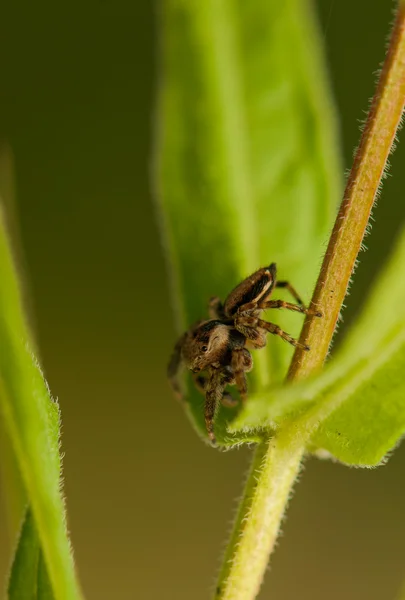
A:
[149, 505]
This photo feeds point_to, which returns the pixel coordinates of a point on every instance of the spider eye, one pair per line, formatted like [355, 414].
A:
[204, 348]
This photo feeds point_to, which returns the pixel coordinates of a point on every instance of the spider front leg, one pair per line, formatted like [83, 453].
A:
[287, 285]
[295, 307]
[276, 330]
[249, 308]
[241, 363]
[218, 379]
[226, 400]
[254, 329]
[214, 388]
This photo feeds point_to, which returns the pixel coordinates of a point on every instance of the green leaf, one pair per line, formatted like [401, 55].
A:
[358, 401]
[24, 571]
[44, 587]
[32, 421]
[15, 500]
[247, 165]
[370, 416]
[28, 577]
[372, 420]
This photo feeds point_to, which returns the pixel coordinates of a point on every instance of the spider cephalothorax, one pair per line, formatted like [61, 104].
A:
[220, 346]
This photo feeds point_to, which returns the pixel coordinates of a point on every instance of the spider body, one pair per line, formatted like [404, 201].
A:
[219, 348]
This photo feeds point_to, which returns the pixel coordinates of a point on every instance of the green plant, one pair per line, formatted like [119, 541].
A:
[249, 173]
[43, 560]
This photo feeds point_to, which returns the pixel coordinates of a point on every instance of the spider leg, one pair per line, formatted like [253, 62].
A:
[276, 330]
[256, 337]
[215, 308]
[227, 400]
[174, 366]
[250, 326]
[241, 363]
[214, 389]
[295, 307]
[287, 285]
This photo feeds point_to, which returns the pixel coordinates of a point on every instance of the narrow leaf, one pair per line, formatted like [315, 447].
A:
[44, 586]
[32, 420]
[15, 498]
[29, 577]
[24, 572]
[247, 166]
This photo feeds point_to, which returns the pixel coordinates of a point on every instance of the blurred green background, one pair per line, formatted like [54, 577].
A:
[149, 505]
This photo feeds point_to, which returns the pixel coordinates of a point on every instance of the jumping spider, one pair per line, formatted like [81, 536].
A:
[220, 346]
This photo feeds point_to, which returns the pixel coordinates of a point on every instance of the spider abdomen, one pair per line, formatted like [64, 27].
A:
[255, 288]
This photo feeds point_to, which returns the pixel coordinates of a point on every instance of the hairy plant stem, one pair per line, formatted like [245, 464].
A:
[362, 186]
[277, 461]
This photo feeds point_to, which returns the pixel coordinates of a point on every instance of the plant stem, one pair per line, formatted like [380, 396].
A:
[351, 223]
[277, 462]
[273, 471]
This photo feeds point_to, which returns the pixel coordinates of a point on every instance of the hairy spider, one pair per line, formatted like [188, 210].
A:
[220, 346]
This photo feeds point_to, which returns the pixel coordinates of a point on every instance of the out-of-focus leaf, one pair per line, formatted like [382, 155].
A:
[29, 578]
[15, 498]
[45, 591]
[360, 396]
[247, 159]
[32, 420]
[24, 571]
